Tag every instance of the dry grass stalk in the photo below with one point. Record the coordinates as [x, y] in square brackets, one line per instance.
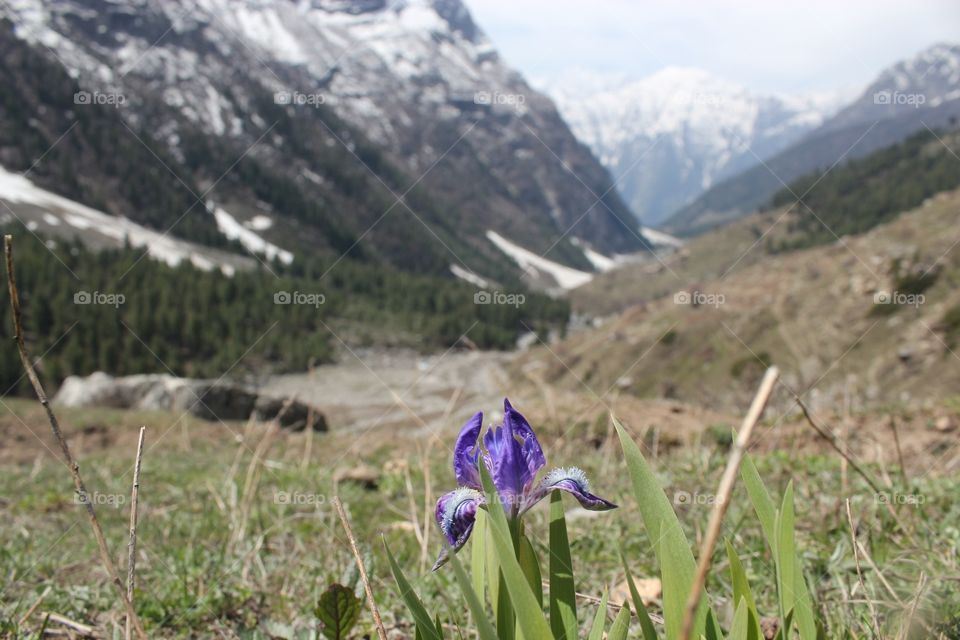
[132, 542]
[363, 571]
[81, 488]
[724, 491]
[863, 587]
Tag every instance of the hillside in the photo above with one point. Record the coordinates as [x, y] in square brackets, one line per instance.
[875, 312]
[390, 131]
[914, 95]
[866, 192]
[112, 311]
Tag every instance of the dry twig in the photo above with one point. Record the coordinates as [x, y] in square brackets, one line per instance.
[132, 542]
[363, 571]
[81, 488]
[724, 491]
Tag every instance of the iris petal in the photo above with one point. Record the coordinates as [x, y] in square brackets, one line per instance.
[573, 481]
[466, 453]
[531, 452]
[456, 514]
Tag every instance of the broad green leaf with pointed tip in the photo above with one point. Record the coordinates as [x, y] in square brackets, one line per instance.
[741, 589]
[485, 628]
[599, 620]
[669, 542]
[531, 568]
[478, 554]
[533, 623]
[620, 624]
[740, 629]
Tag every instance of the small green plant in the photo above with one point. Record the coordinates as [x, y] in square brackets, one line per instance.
[337, 610]
[506, 572]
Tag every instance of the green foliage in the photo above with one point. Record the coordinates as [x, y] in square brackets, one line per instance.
[205, 324]
[677, 564]
[338, 611]
[868, 191]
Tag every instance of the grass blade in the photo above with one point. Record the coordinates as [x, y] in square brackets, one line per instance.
[563, 595]
[424, 622]
[646, 624]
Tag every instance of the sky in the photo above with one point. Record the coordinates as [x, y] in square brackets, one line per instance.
[769, 46]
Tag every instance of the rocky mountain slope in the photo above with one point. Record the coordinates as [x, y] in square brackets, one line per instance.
[387, 130]
[915, 94]
[668, 137]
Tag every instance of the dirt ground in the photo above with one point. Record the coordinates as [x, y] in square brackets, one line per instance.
[403, 400]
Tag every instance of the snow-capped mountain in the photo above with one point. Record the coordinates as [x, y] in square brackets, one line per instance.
[920, 92]
[668, 137]
[926, 81]
[391, 126]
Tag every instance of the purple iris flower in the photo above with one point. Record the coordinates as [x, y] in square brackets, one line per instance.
[513, 457]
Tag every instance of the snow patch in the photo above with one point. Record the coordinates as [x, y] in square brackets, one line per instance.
[566, 277]
[467, 276]
[599, 261]
[17, 189]
[233, 230]
[660, 238]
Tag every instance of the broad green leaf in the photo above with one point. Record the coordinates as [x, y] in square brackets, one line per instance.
[337, 610]
[762, 503]
[620, 624]
[485, 628]
[531, 568]
[646, 625]
[766, 511]
[600, 620]
[533, 623]
[741, 588]
[669, 542]
[425, 625]
[740, 629]
[478, 554]
[713, 630]
[786, 554]
[563, 595]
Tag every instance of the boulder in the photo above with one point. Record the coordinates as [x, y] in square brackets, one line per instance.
[205, 399]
